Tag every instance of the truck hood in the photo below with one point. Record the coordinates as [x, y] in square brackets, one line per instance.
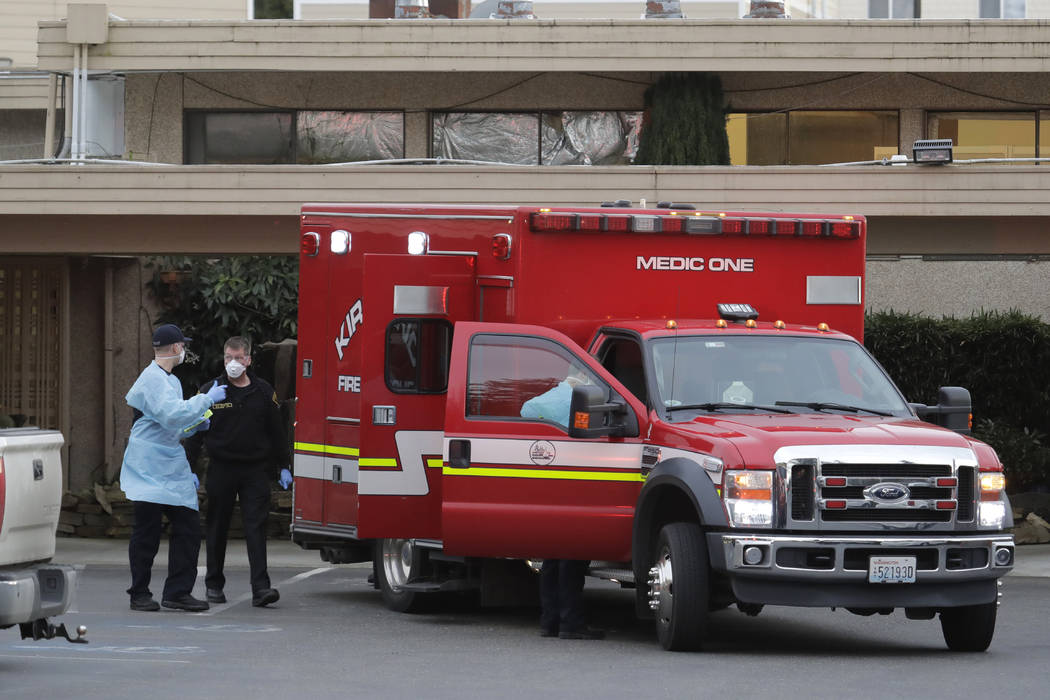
[757, 437]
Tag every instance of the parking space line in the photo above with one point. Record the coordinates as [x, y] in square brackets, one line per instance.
[219, 607]
[137, 659]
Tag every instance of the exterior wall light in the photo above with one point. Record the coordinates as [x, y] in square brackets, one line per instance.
[936, 151]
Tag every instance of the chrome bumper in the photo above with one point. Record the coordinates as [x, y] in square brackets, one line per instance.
[35, 592]
[844, 559]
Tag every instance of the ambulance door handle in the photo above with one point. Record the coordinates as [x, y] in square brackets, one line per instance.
[459, 454]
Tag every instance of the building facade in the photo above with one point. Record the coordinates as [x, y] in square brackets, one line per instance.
[227, 127]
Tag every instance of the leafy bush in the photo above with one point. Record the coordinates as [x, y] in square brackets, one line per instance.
[213, 299]
[1002, 358]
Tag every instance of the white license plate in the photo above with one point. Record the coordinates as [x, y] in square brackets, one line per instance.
[891, 570]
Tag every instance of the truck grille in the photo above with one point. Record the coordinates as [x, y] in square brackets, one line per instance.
[898, 492]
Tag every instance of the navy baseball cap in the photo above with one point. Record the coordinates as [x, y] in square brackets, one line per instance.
[168, 334]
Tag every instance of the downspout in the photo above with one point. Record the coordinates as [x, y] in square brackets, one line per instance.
[49, 122]
[74, 144]
[107, 375]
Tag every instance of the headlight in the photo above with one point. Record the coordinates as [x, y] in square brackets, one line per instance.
[992, 514]
[749, 498]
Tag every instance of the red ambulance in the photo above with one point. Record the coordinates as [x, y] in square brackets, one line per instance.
[678, 396]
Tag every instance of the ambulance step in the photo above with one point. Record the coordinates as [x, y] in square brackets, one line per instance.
[458, 584]
[621, 576]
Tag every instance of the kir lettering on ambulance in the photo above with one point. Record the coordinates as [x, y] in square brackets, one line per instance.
[662, 262]
[349, 326]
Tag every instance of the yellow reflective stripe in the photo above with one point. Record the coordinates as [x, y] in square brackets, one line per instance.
[544, 474]
[376, 462]
[435, 463]
[326, 449]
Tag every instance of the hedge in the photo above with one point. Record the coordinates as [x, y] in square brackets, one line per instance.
[1002, 358]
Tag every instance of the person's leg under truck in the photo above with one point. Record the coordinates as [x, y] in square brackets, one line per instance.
[571, 574]
[254, 494]
[142, 546]
[184, 546]
[549, 607]
[221, 485]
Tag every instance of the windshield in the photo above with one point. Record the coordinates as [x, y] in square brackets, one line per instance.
[775, 373]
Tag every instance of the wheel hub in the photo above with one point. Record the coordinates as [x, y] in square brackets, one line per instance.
[661, 585]
[397, 562]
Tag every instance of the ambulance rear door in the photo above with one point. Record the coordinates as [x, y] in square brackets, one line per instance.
[413, 303]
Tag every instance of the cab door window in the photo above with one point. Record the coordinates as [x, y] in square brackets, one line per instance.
[523, 378]
[623, 358]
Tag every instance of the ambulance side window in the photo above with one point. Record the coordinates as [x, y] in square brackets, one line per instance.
[418, 351]
[514, 377]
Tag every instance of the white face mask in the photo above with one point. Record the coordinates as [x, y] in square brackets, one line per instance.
[182, 356]
[234, 369]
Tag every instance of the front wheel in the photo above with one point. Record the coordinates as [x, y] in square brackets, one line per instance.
[678, 587]
[969, 628]
[396, 562]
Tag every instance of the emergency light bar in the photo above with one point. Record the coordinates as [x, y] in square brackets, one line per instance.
[693, 224]
[737, 312]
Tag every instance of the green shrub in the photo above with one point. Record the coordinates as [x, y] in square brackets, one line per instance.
[1003, 359]
[684, 122]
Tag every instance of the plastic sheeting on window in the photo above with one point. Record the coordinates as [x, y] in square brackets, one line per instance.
[497, 137]
[550, 138]
[590, 138]
[342, 137]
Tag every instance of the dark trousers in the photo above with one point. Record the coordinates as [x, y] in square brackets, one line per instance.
[184, 544]
[561, 594]
[225, 484]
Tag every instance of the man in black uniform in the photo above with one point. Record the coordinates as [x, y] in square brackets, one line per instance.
[246, 444]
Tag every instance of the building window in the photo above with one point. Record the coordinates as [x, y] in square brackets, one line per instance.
[537, 138]
[811, 138]
[1004, 9]
[991, 134]
[894, 9]
[300, 136]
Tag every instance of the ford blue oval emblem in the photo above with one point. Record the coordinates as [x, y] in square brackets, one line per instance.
[887, 493]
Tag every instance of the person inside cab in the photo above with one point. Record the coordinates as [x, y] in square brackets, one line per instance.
[553, 405]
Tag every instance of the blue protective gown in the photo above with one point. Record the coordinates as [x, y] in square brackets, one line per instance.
[155, 467]
[550, 405]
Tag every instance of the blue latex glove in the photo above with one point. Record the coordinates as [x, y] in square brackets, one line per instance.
[285, 479]
[196, 482]
[217, 392]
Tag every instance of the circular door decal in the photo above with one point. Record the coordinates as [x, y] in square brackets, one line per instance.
[542, 452]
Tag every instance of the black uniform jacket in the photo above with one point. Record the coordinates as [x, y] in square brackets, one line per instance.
[246, 427]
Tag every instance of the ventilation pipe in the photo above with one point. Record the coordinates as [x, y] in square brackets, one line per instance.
[513, 9]
[411, 9]
[663, 9]
[767, 9]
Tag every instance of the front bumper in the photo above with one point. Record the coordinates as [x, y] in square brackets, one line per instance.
[833, 571]
[35, 593]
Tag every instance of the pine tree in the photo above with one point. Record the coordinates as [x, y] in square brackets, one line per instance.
[684, 122]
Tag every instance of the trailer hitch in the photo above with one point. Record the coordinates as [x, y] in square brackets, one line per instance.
[42, 629]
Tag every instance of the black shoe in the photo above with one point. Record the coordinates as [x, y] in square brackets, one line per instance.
[264, 597]
[215, 595]
[548, 631]
[582, 633]
[186, 602]
[145, 604]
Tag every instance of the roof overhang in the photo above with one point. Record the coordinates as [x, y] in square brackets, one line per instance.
[561, 45]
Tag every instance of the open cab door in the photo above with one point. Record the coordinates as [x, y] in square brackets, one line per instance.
[412, 303]
[543, 448]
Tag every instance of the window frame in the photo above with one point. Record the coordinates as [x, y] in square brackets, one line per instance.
[294, 112]
[787, 126]
[1035, 112]
[1001, 11]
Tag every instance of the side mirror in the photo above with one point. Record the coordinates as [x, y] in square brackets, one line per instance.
[590, 416]
[953, 411]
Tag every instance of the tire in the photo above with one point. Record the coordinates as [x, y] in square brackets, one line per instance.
[678, 587]
[396, 562]
[969, 628]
